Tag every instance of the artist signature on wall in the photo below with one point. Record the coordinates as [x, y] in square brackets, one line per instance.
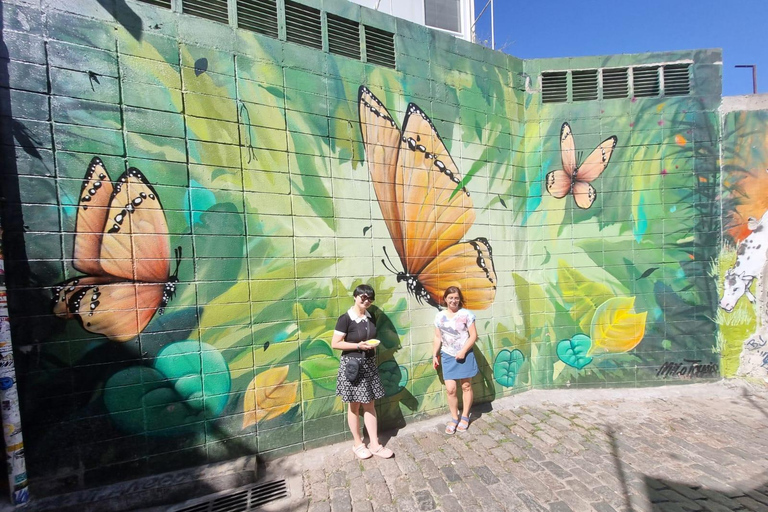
[689, 368]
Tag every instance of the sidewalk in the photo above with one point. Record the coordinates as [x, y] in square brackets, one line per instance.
[674, 448]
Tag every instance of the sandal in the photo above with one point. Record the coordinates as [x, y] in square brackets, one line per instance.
[362, 452]
[450, 427]
[463, 424]
[383, 452]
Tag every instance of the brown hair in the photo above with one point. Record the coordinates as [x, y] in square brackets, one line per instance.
[454, 289]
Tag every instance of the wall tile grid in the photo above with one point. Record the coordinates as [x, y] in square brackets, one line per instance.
[253, 148]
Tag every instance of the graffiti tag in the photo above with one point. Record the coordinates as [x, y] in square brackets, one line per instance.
[689, 368]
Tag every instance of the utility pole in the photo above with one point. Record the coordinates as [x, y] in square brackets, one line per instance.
[493, 32]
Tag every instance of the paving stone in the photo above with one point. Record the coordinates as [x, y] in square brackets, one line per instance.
[362, 506]
[752, 504]
[486, 475]
[450, 474]
[559, 506]
[531, 503]
[450, 504]
[602, 506]
[424, 500]
[319, 506]
[340, 500]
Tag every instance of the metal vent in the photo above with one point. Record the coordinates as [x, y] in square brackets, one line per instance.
[258, 16]
[303, 25]
[584, 85]
[554, 87]
[215, 10]
[615, 83]
[343, 36]
[646, 82]
[677, 80]
[158, 3]
[380, 47]
[242, 499]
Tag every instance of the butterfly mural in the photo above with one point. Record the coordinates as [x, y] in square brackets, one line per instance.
[577, 178]
[122, 245]
[425, 208]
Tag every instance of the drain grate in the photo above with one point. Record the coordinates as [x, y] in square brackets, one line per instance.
[242, 499]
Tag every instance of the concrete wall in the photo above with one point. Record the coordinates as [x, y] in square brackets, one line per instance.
[259, 216]
[742, 314]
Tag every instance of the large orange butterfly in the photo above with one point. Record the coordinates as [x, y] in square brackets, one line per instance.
[417, 185]
[122, 244]
[574, 177]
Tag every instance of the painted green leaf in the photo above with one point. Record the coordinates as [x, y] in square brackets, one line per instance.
[585, 296]
[129, 391]
[535, 306]
[393, 377]
[507, 365]
[573, 352]
[319, 368]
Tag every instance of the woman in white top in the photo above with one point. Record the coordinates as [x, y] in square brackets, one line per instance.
[455, 335]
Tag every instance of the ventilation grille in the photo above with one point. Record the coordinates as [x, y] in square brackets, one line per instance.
[258, 16]
[554, 87]
[584, 84]
[677, 80]
[343, 37]
[159, 3]
[243, 499]
[303, 25]
[380, 47]
[645, 82]
[215, 10]
[615, 83]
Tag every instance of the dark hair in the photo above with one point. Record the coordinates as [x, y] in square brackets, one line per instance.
[453, 289]
[364, 289]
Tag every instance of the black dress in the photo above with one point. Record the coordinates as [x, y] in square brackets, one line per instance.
[368, 385]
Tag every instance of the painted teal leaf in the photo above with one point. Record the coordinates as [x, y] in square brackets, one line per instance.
[573, 352]
[507, 365]
[393, 377]
[184, 362]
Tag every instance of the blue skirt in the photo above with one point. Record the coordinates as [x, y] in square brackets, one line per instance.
[455, 370]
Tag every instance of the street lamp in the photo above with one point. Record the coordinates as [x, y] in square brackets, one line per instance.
[754, 75]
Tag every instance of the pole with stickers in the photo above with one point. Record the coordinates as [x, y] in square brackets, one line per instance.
[9, 403]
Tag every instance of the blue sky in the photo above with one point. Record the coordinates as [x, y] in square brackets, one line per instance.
[559, 28]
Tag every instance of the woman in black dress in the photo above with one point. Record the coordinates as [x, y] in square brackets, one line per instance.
[353, 331]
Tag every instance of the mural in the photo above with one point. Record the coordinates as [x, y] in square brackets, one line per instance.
[742, 262]
[202, 323]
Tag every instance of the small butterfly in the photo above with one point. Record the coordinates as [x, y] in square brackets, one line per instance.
[122, 245]
[574, 177]
[415, 181]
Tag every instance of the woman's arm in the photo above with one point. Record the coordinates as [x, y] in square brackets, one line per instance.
[338, 343]
[472, 330]
[436, 343]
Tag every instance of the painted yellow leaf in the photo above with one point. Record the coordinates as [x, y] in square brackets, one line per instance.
[585, 296]
[616, 327]
[268, 396]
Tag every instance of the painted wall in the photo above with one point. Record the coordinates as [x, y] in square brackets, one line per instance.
[189, 207]
[742, 315]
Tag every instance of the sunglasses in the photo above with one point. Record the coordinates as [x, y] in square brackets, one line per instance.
[365, 298]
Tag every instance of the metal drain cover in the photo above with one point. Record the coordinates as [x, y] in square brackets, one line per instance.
[242, 499]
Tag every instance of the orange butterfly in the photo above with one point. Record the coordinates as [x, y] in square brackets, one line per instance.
[121, 242]
[416, 181]
[575, 177]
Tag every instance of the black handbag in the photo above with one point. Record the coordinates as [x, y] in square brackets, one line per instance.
[354, 366]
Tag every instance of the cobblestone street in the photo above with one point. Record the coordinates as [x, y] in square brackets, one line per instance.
[676, 448]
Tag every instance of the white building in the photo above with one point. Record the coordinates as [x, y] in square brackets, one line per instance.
[454, 16]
